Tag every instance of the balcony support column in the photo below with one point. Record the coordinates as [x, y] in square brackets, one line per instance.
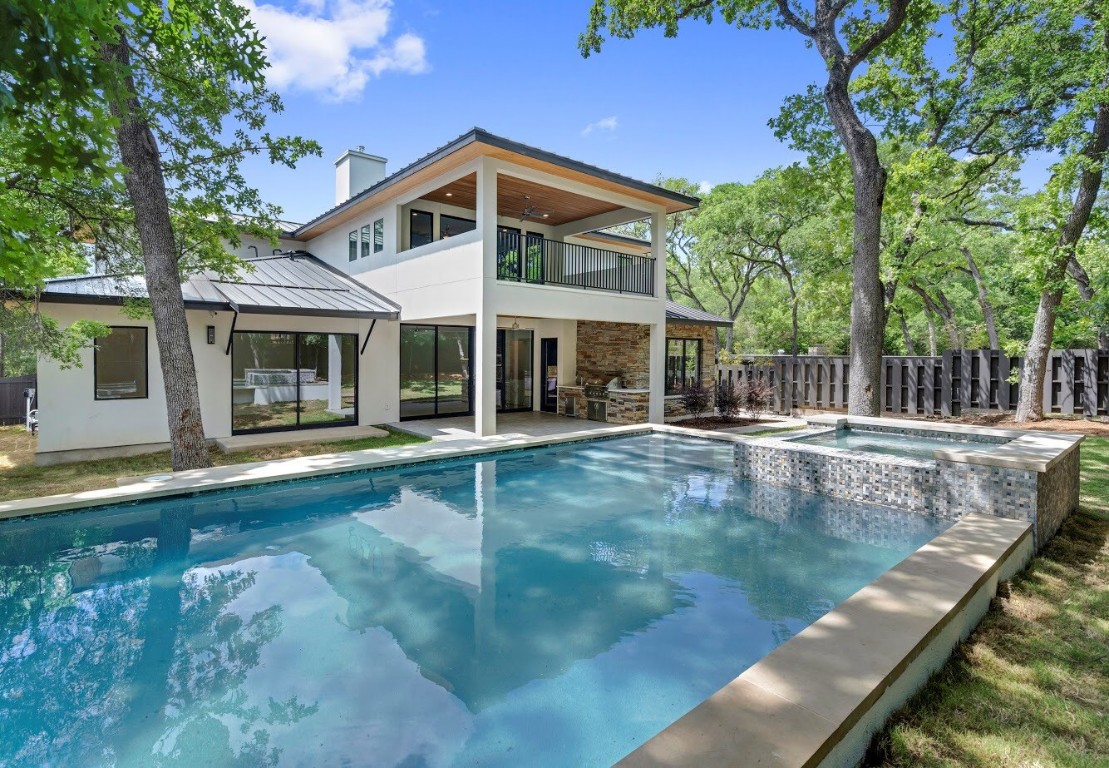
[485, 330]
[656, 402]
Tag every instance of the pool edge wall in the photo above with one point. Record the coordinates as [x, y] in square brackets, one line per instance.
[819, 698]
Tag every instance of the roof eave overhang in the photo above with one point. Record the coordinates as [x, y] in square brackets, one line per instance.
[118, 301]
[349, 314]
[674, 202]
[721, 323]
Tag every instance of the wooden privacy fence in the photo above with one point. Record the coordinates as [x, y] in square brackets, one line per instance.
[1077, 381]
[13, 409]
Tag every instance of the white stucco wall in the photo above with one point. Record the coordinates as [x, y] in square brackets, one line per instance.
[71, 418]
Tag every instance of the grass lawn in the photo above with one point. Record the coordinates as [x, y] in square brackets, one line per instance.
[20, 478]
[1031, 685]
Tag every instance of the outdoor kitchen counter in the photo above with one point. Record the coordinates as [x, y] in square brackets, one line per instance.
[616, 391]
[623, 406]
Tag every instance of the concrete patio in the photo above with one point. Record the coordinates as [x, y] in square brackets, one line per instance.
[529, 424]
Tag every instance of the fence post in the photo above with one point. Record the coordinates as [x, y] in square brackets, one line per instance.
[1066, 382]
[1089, 383]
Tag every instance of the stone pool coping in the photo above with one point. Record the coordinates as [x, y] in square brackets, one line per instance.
[261, 472]
[1031, 450]
[818, 698]
[279, 470]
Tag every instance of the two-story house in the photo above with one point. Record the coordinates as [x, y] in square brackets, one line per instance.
[477, 280]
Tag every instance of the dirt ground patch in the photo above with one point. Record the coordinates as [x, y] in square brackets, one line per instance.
[1004, 420]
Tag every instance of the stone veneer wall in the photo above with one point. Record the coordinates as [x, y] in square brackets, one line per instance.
[1057, 495]
[607, 350]
[945, 489]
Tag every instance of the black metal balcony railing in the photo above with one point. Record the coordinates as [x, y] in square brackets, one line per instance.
[552, 262]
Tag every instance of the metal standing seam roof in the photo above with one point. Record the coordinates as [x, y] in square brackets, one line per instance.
[683, 314]
[289, 283]
[480, 135]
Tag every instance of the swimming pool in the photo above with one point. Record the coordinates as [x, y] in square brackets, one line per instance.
[906, 444]
[553, 606]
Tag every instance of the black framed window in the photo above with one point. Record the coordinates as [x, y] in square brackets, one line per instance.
[379, 235]
[449, 226]
[683, 364]
[421, 229]
[290, 380]
[352, 246]
[119, 363]
[365, 241]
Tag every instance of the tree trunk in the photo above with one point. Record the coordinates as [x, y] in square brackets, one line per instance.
[867, 310]
[729, 339]
[146, 187]
[933, 350]
[1030, 406]
[1086, 291]
[909, 349]
[951, 321]
[983, 298]
[945, 311]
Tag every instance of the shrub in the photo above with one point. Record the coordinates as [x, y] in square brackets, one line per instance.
[729, 399]
[696, 400]
[756, 398]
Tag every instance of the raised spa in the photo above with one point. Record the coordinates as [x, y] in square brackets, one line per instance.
[907, 443]
[553, 606]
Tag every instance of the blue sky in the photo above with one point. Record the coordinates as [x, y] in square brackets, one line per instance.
[404, 77]
[695, 106]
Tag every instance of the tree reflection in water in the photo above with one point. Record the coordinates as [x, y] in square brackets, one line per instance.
[84, 651]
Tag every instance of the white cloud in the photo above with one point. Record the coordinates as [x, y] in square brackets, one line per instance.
[334, 47]
[604, 124]
[705, 187]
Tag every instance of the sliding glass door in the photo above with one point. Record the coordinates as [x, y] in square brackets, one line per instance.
[293, 380]
[436, 371]
[515, 383]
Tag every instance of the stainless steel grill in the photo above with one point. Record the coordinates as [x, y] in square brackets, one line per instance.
[596, 392]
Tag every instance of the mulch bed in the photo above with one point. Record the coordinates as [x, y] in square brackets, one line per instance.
[714, 422]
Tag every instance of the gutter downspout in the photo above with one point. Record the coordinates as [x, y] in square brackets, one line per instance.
[231, 333]
[367, 339]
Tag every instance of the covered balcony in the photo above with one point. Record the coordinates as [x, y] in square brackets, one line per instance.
[534, 259]
[543, 235]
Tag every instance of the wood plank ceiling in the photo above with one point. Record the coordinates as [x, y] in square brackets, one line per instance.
[514, 195]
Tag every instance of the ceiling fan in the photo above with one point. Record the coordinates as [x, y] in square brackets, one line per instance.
[531, 212]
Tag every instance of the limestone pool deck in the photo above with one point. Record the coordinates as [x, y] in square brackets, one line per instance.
[538, 424]
[237, 443]
[815, 700]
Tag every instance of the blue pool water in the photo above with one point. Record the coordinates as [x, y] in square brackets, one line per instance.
[913, 446]
[556, 606]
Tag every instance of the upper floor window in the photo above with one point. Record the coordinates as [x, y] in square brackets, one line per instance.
[119, 364]
[352, 246]
[365, 241]
[683, 364]
[421, 232]
[454, 225]
[379, 235]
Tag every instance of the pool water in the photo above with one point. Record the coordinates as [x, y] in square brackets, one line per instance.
[891, 444]
[554, 606]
